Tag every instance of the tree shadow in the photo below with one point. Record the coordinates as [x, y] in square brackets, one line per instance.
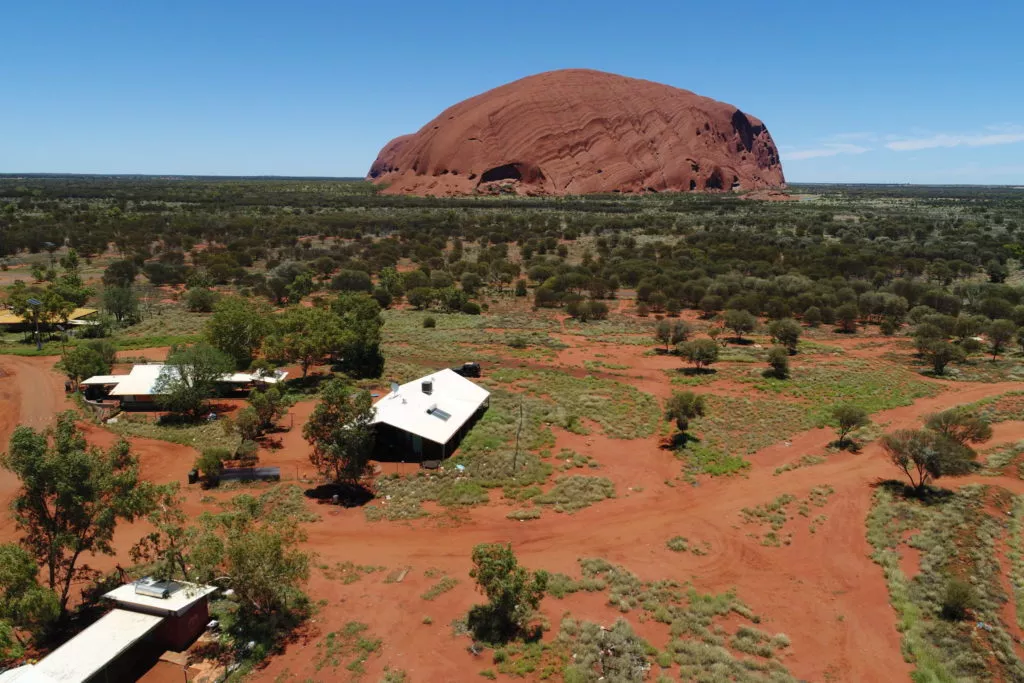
[848, 445]
[697, 372]
[678, 441]
[348, 495]
[741, 341]
[928, 495]
[308, 384]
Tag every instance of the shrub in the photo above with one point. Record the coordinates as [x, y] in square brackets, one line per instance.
[959, 598]
[778, 359]
[200, 300]
[246, 453]
[471, 308]
[211, 463]
[429, 322]
[848, 418]
[677, 544]
[700, 352]
[682, 407]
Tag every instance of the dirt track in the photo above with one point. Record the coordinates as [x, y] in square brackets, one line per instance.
[31, 394]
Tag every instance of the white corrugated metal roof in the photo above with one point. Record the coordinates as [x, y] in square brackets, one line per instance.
[186, 595]
[411, 410]
[95, 647]
[141, 381]
[104, 379]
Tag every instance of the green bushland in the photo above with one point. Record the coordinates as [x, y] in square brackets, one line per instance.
[958, 535]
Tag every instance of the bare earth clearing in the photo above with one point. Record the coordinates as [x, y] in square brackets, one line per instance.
[821, 588]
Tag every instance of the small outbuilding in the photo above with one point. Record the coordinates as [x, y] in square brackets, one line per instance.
[427, 418]
[150, 618]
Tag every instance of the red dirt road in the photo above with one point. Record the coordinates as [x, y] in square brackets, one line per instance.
[31, 394]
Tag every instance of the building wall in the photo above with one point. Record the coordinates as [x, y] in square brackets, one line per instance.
[395, 445]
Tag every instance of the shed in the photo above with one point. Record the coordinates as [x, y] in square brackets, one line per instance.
[427, 418]
[150, 617]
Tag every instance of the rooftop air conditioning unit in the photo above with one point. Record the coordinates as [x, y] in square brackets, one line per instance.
[151, 588]
[428, 386]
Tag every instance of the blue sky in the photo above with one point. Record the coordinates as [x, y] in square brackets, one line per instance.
[896, 91]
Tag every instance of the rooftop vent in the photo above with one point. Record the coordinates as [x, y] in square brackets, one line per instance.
[428, 386]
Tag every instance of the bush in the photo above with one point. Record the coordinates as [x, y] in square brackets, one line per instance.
[958, 599]
[778, 359]
[471, 308]
[211, 463]
[246, 453]
[247, 422]
[200, 300]
[429, 322]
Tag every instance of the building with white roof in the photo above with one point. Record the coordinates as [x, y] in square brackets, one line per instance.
[150, 618]
[426, 419]
[139, 387]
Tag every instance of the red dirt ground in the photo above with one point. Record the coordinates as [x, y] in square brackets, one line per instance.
[823, 590]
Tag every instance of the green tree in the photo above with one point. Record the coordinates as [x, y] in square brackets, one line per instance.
[846, 316]
[26, 608]
[812, 316]
[248, 424]
[683, 406]
[671, 332]
[700, 352]
[268, 405]
[121, 303]
[848, 417]
[190, 377]
[925, 455]
[961, 425]
[357, 346]
[778, 361]
[200, 299]
[71, 497]
[82, 362]
[1000, 333]
[304, 335]
[785, 332]
[940, 353]
[341, 433]
[211, 463]
[739, 321]
[513, 594]
[238, 327]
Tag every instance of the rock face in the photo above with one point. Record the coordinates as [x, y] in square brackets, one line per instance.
[578, 131]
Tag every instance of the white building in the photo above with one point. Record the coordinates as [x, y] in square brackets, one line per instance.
[427, 418]
[139, 387]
